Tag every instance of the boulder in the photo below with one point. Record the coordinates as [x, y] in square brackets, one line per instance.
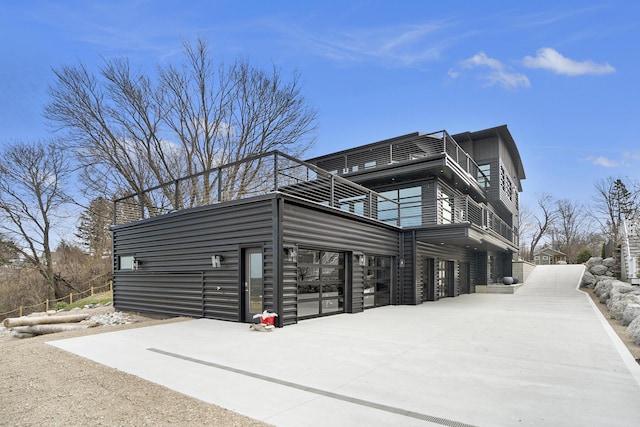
[601, 284]
[609, 262]
[593, 261]
[602, 288]
[611, 287]
[630, 313]
[618, 304]
[634, 330]
[588, 280]
[599, 270]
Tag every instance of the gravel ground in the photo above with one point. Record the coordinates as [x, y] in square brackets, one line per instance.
[43, 385]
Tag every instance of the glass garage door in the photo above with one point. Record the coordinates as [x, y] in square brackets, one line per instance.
[377, 281]
[321, 283]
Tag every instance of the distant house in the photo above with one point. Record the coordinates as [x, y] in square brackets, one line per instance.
[549, 256]
[406, 220]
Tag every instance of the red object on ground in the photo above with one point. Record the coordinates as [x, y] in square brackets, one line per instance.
[267, 320]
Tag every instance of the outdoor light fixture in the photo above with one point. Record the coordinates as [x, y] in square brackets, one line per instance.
[360, 258]
[216, 261]
[290, 253]
[135, 264]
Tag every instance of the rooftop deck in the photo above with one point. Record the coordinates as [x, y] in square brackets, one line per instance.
[268, 173]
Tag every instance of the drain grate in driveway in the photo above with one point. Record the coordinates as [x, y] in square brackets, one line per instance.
[356, 401]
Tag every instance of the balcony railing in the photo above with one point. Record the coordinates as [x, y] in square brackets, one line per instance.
[455, 210]
[425, 146]
[274, 171]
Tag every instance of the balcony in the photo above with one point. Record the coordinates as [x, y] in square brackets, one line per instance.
[464, 210]
[414, 155]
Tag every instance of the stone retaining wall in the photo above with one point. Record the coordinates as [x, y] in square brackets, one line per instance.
[622, 299]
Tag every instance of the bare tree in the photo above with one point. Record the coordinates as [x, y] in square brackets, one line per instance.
[32, 177]
[614, 202]
[525, 230]
[542, 220]
[569, 227]
[132, 131]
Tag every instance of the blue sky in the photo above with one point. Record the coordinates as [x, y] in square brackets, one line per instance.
[563, 75]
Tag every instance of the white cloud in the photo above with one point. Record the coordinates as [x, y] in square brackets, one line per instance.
[497, 73]
[631, 155]
[603, 161]
[551, 59]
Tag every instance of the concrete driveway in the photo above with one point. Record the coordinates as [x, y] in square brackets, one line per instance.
[543, 356]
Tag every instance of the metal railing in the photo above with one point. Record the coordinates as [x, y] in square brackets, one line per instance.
[421, 147]
[259, 175]
[452, 210]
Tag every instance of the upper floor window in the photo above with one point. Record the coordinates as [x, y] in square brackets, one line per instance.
[506, 183]
[410, 209]
[369, 165]
[484, 176]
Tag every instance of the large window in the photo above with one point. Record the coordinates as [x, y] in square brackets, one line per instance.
[445, 278]
[505, 181]
[484, 176]
[377, 281]
[320, 283]
[445, 204]
[410, 200]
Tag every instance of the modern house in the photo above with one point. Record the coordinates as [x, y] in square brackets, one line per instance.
[548, 256]
[401, 221]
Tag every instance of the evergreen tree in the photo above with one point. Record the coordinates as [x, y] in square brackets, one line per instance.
[94, 227]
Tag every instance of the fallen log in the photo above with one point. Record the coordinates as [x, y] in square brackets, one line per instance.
[12, 322]
[52, 328]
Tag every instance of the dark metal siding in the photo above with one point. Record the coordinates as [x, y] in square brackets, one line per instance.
[318, 228]
[184, 242]
[178, 294]
[410, 273]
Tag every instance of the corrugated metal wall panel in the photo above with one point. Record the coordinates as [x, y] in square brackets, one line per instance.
[316, 228]
[409, 274]
[185, 241]
[177, 294]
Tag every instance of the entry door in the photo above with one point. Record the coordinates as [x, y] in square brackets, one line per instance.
[465, 285]
[253, 282]
[428, 279]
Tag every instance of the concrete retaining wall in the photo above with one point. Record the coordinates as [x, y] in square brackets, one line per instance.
[522, 269]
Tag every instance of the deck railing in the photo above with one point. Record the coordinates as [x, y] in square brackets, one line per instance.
[453, 210]
[259, 175]
[425, 146]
